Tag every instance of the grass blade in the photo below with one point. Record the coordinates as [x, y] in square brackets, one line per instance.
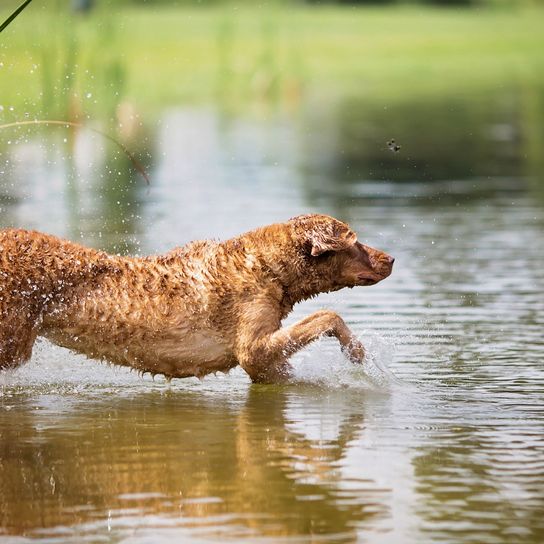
[14, 14]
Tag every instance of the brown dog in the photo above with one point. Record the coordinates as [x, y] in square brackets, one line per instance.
[201, 308]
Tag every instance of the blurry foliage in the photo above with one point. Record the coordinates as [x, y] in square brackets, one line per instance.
[81, 65]
[74, 62]
[85, 64]
[330, 2]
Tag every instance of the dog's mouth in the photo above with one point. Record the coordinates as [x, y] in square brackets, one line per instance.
[371, 279]
[362, 281]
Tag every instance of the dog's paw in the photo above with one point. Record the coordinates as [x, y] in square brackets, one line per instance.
[354, 351]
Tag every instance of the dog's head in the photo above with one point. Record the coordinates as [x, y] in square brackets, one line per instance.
[331, 252]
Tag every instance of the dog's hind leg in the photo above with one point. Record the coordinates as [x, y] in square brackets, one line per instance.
[17, 336]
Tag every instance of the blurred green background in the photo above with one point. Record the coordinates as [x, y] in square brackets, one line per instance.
[459, 84]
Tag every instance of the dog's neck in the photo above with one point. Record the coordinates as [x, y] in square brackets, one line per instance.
[287, 265]
[305, 288]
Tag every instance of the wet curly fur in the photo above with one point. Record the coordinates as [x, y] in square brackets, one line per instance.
[201, 308]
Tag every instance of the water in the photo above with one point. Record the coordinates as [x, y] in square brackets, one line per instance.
[439, 439]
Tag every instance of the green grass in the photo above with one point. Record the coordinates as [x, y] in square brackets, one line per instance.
[164, 55]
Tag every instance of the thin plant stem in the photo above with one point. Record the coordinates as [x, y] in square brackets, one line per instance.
[14, 14]
[135, 162]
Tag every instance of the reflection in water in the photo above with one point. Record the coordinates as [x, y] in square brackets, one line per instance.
[105, 197]
[460, 479]
[74, 184]
[448, 137]
[185, 457]
[532, 111]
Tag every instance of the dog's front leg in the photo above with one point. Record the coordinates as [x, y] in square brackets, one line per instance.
[322, 323]
[264, 357]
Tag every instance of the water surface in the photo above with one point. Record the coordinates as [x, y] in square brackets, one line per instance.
[450, 451]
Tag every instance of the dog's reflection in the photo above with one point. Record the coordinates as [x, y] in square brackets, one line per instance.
[270, 462]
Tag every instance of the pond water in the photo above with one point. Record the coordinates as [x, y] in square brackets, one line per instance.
[451, 449]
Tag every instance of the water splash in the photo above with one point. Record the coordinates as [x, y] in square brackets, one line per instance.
[57, 370]
[323, 364]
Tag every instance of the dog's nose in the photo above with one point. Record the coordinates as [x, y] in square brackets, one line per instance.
[391, 259]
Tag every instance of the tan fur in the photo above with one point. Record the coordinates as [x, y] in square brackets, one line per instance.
[204, 307]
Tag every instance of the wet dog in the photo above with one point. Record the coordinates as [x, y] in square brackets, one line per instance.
[201, 308]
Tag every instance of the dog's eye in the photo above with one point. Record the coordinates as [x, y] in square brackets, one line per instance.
[324, 256]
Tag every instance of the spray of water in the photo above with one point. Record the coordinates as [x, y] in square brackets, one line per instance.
[323, 364]
[320, 364]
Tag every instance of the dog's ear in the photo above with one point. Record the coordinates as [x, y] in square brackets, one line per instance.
[323, 233]
[335, 238]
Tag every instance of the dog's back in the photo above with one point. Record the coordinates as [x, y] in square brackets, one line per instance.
[37, 262]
